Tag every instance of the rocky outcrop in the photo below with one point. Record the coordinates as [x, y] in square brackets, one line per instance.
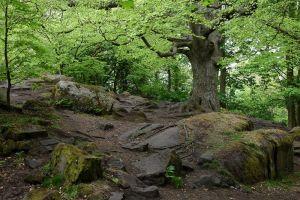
[75, 165]
[224, 145]
[259, 155]
[85, 98]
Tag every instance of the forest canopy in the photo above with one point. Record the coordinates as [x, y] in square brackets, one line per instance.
[240, 55]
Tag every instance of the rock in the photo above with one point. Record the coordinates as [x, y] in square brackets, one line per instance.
[213, 180]
[85, 98]
[153, 168]
[36, 106]
[205, 158]
[115, 163]
[105, 126]
[98, 190]
[168, 138]
[49, 142]
[54, 79]
[188, 165]
[116, 196]
[123, 179]
[9, 146]
[35, 177]
[25, 132]
[33, 163]
[85, 190]
[134, 146]
[259, 155]
[74, 164]
[147, 192]
[150, 137]
[43, 194]
[134, 187]
[130, 134]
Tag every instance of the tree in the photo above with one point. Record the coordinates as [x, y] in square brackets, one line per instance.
[18, 19]
[269, 47]
[200, 43]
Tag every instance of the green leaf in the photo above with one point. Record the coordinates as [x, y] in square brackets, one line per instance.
[127, 4]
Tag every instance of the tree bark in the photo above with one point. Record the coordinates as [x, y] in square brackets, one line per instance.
[204, 55]
[8, 77]
[290, 101]
[298, 101]
[223, 77]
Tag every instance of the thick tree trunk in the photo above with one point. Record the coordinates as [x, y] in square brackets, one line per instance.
[223, 77]
[204, 55]
[6, 29]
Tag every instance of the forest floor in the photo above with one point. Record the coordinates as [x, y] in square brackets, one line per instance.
[13, 169]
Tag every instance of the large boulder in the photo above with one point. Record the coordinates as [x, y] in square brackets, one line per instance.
[85, 98]
[258, 155]
[224, 143]
[74, 164]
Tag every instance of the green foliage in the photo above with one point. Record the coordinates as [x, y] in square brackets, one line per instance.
[55, 181]
[70, 192]
[171, 175]
[64, 102]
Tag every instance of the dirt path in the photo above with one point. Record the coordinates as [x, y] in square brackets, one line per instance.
[106, 132]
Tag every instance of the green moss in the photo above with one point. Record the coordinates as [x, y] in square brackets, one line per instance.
[8, 147]
[70, 193]
[43, 194]
[55, 181]
[85, 190]
[76, 165]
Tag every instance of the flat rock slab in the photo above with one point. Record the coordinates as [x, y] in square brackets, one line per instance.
[168, 138]
[49, 142]
[152, 168]
[142, 130]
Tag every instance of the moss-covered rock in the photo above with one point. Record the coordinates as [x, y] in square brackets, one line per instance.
[96, 190]
[8, 147]
[74, 164]
[248, 156]
[85, 98]
[43, 194]
[23, 132]
[213, 129]
[259, 155]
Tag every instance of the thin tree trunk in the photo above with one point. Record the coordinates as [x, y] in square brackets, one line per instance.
[290, 101]
[8, 77]
[169, 79]
[298, 102]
